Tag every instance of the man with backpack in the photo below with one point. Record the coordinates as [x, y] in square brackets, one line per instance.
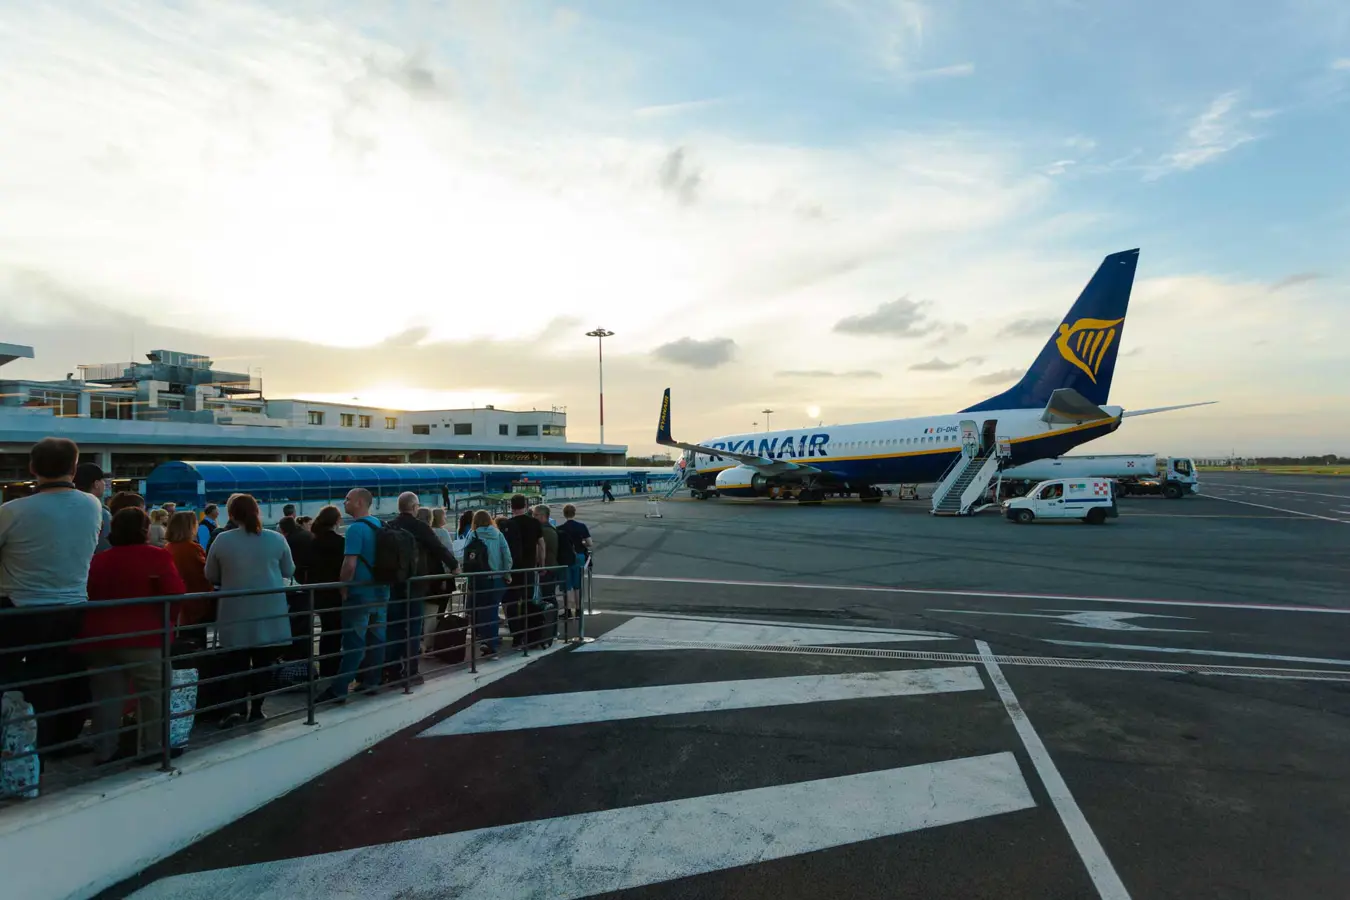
[526, 539]
[431, 557]
[371, 562]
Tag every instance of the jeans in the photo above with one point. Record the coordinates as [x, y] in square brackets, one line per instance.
[486, 598]
[361, 615]
[253, 674]
[405, 630]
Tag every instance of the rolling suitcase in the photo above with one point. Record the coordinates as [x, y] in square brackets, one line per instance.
[541, 622]
[447, 642]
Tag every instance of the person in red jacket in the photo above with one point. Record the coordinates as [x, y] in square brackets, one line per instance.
[134, 633]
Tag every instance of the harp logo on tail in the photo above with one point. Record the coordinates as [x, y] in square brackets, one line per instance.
[1085, 342]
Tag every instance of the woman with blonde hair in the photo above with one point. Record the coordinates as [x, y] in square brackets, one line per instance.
[190, 560]
[159, 522]
[492, 560]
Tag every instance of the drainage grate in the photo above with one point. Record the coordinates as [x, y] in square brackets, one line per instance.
[1053, 662]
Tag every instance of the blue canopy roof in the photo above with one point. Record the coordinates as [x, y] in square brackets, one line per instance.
[189, 482]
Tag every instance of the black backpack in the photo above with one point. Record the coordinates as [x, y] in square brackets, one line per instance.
[567, 551]
[475, 557]
[395, 554]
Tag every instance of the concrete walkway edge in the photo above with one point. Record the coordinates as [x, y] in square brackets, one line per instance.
[83, 840]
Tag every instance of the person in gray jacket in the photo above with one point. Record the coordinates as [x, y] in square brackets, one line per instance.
[253, 629]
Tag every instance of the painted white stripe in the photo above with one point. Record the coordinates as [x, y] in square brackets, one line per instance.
[1296, 512]
[550, 710]
[594, 853]
[1103, 874]
[1230, 653]
[998, 595]
[779, 623]
[1252, 487]
[633, 634]
[1345, 512]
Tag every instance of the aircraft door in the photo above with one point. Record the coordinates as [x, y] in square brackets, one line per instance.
[988, 436]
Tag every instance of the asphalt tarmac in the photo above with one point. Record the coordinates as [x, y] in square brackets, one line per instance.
[865, 701]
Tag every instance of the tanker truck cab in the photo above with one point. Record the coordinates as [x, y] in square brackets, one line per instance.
[1092, 500]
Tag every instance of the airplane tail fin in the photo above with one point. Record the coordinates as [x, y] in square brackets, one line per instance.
[663, 424]
[1081, 354]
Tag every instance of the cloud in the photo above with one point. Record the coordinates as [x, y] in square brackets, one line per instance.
[1002, 376]
[678, 177]
[1028, 328]
[896, 318]
[935, 365]
[959, 70]
[947, 333]
[1213, 133]
[825, 373]
[1296, 278]
[1341, 65]
[669, 110]
[890, 31]
[697, 354]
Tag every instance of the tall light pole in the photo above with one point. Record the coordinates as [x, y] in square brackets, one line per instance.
[767, 413]
[600, 334]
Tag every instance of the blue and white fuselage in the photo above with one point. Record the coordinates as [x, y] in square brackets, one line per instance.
[1058, 404]
[897, 451]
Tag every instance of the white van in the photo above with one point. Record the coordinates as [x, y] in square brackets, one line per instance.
[1089, 499]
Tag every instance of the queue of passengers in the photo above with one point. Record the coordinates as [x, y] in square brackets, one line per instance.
[62, 551]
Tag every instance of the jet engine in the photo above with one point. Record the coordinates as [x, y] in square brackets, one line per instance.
[741, 481]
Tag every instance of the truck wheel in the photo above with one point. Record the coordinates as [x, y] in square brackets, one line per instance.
[1172, 491]
[1095, 516]
[1024, 517]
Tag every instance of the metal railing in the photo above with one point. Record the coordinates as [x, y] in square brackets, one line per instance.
[202, 673]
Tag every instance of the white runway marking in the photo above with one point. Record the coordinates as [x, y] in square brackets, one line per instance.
[1231, 653]
[996, 595]
[550, 710]
[1101, 620]
[1103, 874]
[594, 853]
[1267, 490]
[1278, 509]
[630, 635]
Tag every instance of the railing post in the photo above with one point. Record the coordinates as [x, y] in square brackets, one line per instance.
[166, 687]
[590, 591]
[407, 636]
[471, 615]
[312, 674]
[523, 610]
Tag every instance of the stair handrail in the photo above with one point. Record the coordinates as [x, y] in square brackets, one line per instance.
[943, 487]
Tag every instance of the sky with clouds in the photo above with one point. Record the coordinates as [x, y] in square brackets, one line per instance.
[876, 208]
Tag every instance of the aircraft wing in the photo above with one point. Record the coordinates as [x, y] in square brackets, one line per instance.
[1068, 407]
[1158, 409]
[759, 463]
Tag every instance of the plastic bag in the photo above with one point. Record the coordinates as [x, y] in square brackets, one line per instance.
[182, 699]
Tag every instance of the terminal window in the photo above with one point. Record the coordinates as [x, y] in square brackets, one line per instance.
[555, 430]
[421, 429]
[527, 431]
[365, 421]
[316, 417]
[348, 420]
[60, 402]
[390, 422]
[463, 428]
[504, 429]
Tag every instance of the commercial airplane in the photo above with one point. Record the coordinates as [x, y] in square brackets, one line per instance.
[1058, 404]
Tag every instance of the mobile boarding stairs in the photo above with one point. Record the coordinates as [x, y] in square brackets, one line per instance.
[963, 489]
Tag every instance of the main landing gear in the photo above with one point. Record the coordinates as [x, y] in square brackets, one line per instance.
[812, 495]
[869, 494]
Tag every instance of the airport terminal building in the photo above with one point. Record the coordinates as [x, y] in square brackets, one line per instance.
[132, 416]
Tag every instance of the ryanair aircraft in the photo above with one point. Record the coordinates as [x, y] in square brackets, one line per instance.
[1058, 404]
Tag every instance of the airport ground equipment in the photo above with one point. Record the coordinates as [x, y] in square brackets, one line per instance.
[1134, 473]
[1092, 500]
